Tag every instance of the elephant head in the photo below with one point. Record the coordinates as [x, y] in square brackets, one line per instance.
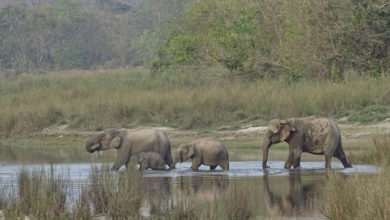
[105, 140]
[184, 152]
[278, 131]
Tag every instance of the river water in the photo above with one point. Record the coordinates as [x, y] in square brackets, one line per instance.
[282, 192]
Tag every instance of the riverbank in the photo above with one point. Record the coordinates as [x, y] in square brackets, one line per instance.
[95, 100]
[63, 144]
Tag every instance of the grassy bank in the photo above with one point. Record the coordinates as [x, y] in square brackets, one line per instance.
[127, 98]
[362, 197]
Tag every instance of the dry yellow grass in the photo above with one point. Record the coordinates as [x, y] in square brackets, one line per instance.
[127, 98]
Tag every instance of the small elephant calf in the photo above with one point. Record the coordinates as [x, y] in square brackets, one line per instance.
[208, 152]
[151, 160]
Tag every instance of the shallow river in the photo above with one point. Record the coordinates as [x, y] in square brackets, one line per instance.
[280, 192]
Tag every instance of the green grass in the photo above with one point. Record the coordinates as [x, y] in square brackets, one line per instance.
[128, 98]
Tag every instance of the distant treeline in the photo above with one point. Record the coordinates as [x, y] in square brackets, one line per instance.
[71, 34]
[294, 39]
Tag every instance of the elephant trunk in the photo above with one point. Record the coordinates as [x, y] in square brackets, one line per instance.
[91, 141]
[88, 147]
[266, 145]
[176, 158]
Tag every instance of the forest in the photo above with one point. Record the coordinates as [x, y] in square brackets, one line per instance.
[293, 40]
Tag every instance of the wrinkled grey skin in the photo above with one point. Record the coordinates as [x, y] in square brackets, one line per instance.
[208, 152]
[151, 160]
[313, 135]
[130, 142]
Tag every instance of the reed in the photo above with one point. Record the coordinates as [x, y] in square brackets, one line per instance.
[358, 197]
[129, 98]
[362, 196]
[39, 195]
[116, 195]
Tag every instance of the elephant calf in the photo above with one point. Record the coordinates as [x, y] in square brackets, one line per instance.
[205, 151]
[313, 135]
[151, 160]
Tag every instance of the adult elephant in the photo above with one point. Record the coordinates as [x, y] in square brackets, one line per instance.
[130, 142]
[208, 152]
[313, 135]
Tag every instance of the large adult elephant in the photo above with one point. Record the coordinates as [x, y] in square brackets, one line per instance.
[313, 135]
[130, 142]
[208, 152]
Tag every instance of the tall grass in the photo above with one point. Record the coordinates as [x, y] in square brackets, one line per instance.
[40, 195]
[116, 196]
[362, 197]
[358, 197]
[379, 153]
[85, 100]
[119, 197]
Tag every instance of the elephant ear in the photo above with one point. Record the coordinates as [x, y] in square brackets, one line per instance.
[191, 150]
[116, 141]
[286, 130]
[274, 126]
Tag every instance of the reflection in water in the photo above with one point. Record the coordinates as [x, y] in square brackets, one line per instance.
[203, 187]
[158, 191]
[161, 193]
[290, 193]
[301, 201]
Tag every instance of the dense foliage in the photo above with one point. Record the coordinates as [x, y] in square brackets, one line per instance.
[324, 39]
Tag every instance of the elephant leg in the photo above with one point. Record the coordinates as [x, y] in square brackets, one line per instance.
[122, 158]
[224, 165]
[213, 167]
[297, 157]
[330, 148]
[144, 165]
[195, 164]
[328, 161]
[290, 158]
[297, 163]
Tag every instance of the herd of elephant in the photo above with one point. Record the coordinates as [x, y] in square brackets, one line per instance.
[152, 147]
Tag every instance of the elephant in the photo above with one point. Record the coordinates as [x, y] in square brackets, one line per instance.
[130, 142]
[302, 200]
[310, 134]
[208, 152]
[151, 160]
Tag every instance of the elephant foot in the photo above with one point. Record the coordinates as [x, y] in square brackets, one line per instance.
[287, 166]
[194, 169]
[297, 167]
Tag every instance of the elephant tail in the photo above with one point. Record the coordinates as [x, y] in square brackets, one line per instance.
[168, 157]
[339, 153]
